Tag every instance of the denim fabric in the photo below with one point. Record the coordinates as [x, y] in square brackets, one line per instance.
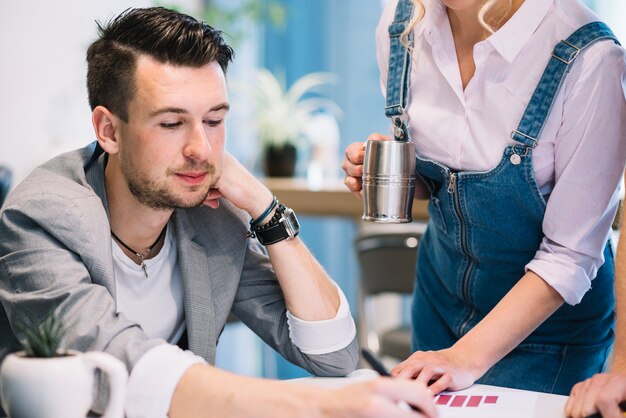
[399, 60]
[563, 56]
[484, 228]
[399, 70]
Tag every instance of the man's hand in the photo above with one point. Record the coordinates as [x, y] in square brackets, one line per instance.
[212, 200]
[205, 391]
[383, 397]
[600, 394]
[240, 187]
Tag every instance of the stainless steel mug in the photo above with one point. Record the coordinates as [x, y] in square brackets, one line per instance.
[388, 181]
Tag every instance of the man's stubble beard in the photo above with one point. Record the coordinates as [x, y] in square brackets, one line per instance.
[158, 196]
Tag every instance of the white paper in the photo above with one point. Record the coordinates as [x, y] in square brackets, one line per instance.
[486, 402]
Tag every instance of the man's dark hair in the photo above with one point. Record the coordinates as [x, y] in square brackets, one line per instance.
[165, 35]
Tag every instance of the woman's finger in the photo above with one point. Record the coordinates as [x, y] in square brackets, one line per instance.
[355, 153]
[429, 373]
[441, 384]
[352, 170]
[353, 184]
[378, 137]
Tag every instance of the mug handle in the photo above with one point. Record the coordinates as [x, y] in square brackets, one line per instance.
[117, 375]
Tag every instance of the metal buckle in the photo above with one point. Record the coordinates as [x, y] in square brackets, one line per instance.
[573, 56]
[525, 136]
[398, 132]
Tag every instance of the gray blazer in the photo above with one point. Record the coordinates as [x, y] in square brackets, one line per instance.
[55, 250]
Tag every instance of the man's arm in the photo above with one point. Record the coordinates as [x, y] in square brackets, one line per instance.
[309, 293]
[272, 288]
[205, 391]
[55, 255]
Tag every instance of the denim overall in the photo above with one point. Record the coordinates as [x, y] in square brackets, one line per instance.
[485, 227]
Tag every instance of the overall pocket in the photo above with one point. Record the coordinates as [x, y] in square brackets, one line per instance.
[436, 214]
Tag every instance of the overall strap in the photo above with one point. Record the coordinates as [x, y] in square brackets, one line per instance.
[399, 69]
[563, 56]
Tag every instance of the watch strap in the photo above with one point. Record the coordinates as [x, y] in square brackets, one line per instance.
[276, 229]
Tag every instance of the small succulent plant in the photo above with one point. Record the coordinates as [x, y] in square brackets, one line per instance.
[44, 340]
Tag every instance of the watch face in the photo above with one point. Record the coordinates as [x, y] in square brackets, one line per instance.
[292, 226]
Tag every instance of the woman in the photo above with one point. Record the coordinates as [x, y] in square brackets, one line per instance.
[521, 151]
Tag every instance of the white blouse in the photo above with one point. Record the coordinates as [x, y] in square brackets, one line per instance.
[581, 154]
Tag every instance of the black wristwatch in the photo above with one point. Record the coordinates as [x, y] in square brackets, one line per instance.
[283, 225]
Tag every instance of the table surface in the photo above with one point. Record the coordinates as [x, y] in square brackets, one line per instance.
[547, 406]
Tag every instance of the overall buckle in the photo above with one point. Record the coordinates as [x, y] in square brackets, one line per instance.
[572, 57]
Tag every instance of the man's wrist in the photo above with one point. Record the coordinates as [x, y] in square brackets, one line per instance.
[258, 207]
[282, 225]
[268, 213]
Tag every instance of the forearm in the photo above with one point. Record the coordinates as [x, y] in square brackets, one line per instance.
[309, 293]
[526, 306]
[205, 391]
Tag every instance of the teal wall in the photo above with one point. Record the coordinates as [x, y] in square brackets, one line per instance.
[319, 35]
[335, 36]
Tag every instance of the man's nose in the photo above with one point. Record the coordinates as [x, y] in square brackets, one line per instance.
[198, 146]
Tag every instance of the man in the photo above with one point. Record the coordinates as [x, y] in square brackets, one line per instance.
[142, 241]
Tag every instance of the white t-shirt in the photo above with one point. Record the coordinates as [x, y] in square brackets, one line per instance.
[155, 302]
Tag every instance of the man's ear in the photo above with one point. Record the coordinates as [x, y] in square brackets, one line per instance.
[106, 126]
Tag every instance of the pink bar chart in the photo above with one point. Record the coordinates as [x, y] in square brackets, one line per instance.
[486, 402]
[465, 401]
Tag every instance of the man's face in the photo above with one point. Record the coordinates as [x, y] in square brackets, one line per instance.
[171, 149]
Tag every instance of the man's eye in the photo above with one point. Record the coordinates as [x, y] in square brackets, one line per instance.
[215, 122]
[170, 125]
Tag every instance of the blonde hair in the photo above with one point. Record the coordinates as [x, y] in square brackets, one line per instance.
[490, 23]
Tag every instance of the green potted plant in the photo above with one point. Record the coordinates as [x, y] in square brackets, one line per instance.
[45, 380]
[44, 340]
[283, 116]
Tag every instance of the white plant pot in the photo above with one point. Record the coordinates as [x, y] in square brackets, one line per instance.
[59, 387]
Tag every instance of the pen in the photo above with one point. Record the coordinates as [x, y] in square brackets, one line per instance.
[381, 370]
[622, 406]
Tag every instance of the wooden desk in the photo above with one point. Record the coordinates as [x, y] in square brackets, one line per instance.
[331, 198]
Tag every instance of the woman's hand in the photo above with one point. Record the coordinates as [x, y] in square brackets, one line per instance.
[602, 393]
[352, 164]
[439, 370]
